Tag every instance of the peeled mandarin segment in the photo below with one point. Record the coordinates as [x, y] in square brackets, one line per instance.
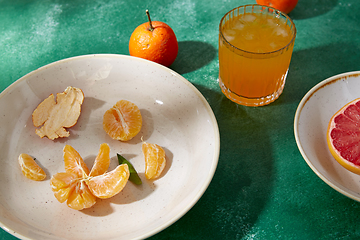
[155, 160]
[111, 183]
[30, 168]
[62, 184]
[123, 121]
[102, 161]
[81, 197]
[74, 163]
[343, 136]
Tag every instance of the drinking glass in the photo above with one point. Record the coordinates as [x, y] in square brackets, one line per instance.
[255, 47]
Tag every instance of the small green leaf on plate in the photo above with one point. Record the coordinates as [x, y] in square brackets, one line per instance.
[134, 177]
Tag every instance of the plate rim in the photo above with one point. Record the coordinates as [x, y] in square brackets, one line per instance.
[299, 109]
[206, 104]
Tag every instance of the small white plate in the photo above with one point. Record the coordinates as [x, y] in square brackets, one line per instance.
[310, 126]
[175, 116]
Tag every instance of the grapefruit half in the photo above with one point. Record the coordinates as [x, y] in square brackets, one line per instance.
[343, 136]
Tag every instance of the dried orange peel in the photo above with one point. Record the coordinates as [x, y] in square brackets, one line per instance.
[55, 116]
[80, 187]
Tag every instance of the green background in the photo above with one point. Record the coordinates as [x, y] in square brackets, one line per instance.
[262, 188]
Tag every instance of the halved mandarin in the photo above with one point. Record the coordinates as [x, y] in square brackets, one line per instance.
[155, 160]
[110, 183]
[30, 168]
[123, 121]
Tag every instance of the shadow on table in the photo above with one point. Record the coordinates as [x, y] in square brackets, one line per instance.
[243, 180]
[310, 8]
[311, 66]
[192, 56]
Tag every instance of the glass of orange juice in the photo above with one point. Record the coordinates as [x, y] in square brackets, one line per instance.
[255, 47]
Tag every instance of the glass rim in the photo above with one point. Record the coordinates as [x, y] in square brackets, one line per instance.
[278, 12]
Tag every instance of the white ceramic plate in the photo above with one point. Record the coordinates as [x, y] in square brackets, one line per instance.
[175, 115]
[311, 121]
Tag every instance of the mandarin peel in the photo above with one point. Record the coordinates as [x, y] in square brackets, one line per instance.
[54, 117]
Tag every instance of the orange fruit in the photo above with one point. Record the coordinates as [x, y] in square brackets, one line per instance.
[155, 160]
[343, 136]
[111, 183]
[154, 41]
[123, 121]
[30, 168]
[286, 6]
[79, 187]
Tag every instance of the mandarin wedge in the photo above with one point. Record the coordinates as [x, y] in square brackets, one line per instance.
[74, 163]
[111, 183]
[102, 161]
[30, 168]
[81, 197]
[123, 121]
[68, 187]
[155, 160]
[62, 184]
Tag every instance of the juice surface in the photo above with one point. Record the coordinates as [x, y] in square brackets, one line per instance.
[254, 70]
[258, 33]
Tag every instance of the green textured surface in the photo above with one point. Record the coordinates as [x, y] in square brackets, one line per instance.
[262, 188]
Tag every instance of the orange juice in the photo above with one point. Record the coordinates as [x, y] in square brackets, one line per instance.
[255, 47]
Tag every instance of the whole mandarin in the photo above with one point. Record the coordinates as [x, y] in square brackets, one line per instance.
[286, 6]
[154, 41]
